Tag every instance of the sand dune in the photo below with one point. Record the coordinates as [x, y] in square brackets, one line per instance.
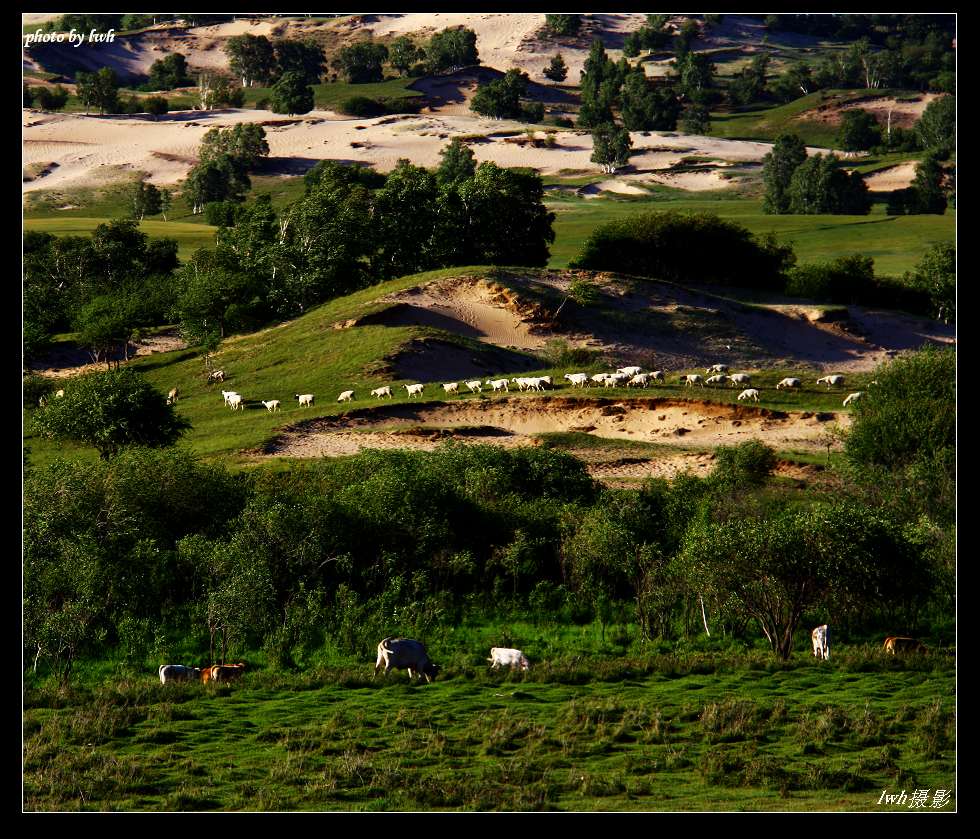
[892, 178]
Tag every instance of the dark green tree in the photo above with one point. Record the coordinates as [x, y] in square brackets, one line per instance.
[611, 147]
[926, 193]
[144, 199]
[563, 24]
[406, 222]
[451, 50]
[859, 130]
[30, 95]
[778, 166]
[220, 178]
[936, 275]
[685, 38]
[111, 410]
[362, 62]
[937, 126]
[168, 73]
[557, 70]
[98, 90]
[820, 186]
[252, 58]
[156, 105]
[292, 95]
[303, 57]
[599, 85]
[404, 54]
[696, 120]
[646, 107]
[51, 98]
[245, 142]
[458, 163]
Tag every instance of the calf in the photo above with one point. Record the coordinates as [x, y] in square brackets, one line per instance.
[227, 672]
[177, 673]
[507, 657]
[900, 644]
[821, 644]
[405, 654]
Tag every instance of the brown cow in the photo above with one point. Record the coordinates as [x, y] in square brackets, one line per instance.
[227, 672]
[900, 644]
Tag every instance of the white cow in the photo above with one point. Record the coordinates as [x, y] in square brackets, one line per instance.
[178, 673]
[405, 654]
[821, 643]
[507, 657]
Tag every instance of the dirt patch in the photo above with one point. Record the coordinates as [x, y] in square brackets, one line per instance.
[892, 178]
[64, 361]
[904, 112]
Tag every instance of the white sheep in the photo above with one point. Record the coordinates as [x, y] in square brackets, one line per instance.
[382, 391]
[59, 394]
[235, 401]
[216, 376]
[172, 396]
[739, 379]
[658, 375]
[616, 379]
[414, 390]
[640, 379]
[546, 380]
[476, 386]
[303, 398]
[346, 396]
[498, 384]
[629, 371]
[521, 383]
[718, 379]
[599, 378]
[789, 383]
[717, 368]
[831, 380]
[452, 387]
[853, 397]
[272, 405]
[692, 379]
[226, 393]
[577, 379]
[750, 393]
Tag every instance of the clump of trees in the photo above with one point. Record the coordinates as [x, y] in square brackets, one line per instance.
[168, 73]
[98, 90]
[225, 156]
[686, 248]
[46, 98]
[501, 99]
[254, 58]
[563, 24]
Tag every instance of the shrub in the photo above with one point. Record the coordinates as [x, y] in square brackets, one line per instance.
[35, 387]
[747, 464]
[221, 213]
[361, 106]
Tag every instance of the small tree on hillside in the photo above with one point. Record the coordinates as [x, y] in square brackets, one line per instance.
[144, 199]
[362, 62]
[696, 120]
[156, 106]
[403, 54]
[99, 90]
[563, 24]
[166, 201]
[611, 147]
[557, 70]
[51, 98]
[458, 163]
[936, 127]
[292, 95]
[110, 410]
[859, 131]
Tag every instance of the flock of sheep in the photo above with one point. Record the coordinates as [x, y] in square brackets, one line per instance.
[624, 376]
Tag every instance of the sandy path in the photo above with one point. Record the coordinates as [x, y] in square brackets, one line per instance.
[515, 420]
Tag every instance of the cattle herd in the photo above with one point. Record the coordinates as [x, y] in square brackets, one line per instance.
[411, 655]
[624, 376]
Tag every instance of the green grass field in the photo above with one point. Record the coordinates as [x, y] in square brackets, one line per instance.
[189, 237]
[618, 726]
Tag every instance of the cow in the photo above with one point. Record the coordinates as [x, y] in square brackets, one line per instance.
[405, 654]
[227, 672]
[900, 644]
[821, 642]
[177, 673]
[507, 657]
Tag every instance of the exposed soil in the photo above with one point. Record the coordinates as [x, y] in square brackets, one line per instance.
[62, 361]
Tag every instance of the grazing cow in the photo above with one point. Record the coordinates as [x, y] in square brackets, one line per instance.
[405, 654]
[227, 672]
[821, 644]
[507, 657]
[900, 644]
[177, 673]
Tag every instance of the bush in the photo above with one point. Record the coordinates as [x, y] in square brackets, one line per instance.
[745, 465]
[221, 213]
[35, 387]
[532, 112]
[850, 280]
[685, 248]
[361, 106]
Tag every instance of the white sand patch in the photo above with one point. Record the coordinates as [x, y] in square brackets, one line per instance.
[892, 178]
[614, 185]
[693, 181]
[244, 26]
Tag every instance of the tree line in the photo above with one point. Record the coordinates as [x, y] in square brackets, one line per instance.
[348, 550]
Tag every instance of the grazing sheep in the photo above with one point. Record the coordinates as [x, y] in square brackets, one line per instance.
[521, 383]
[173, 396]
[599, 378]
[739, 379]
[226, 393]
[750, 393]
[59, 394]
[658, 375]
[272, 405]
[498, 384]
[640, 379]
[235, 401]
[507, 657]
[719, 379]
[414, 390]
[717, 368]
[790, 383]
[537, 383]
[346, 396]
[546, 380]
[577, 379]
[382, 391]
[303, 398]
[615, 379]
[476, 386]
[216, 376]
[452, 387]
[831, 380]
[629, 371]
[853, 397]
[692, 379]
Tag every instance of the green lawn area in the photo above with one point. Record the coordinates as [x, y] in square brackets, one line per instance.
[189, 237]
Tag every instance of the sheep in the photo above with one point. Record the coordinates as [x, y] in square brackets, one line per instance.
[452, 387]
[750, 393]
[641, 379]
[831, 380]
[789, 383]
[629, 371]
[382, 391]
[235, 401]
[538, 382]
[476, 386]
[173, 396]
[216, 376]
[692, 379]
[58, 394]
[414, 390]
[658, 375]
[719, 379]
[577, 379]
[226, 393]
[346, 396]
[498, 384]
[853, 397]
[272, 405]
[546, 380]
[521, 383]
[739, 379]
[599, 378]
[303, 398]
[717, 368]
